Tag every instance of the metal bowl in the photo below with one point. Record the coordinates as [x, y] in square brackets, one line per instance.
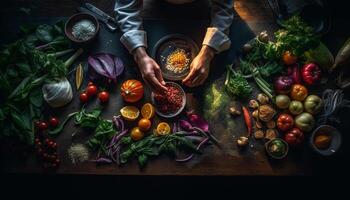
[170, 115]
[76, 18]
[168, 44]
[335, 144]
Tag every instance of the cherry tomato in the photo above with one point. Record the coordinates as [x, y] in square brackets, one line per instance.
[37, 140]
[103, 96]
[289, 58]
[90, 83]
[84, 97]
[43, 126]
[53, 122]
[91, 90]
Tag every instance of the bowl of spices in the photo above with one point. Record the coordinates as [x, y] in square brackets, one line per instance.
[171, 103]
[326, 140]
[174, 54]
[277, 148]
[82, 28]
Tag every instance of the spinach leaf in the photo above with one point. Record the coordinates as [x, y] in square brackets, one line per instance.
[44, 33]
[36, 97]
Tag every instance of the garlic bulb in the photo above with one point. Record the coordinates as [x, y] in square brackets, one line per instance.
[58, 94]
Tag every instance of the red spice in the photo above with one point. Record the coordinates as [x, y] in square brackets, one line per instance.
[171, 101]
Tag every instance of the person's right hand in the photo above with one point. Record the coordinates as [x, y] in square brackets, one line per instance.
[150, 70]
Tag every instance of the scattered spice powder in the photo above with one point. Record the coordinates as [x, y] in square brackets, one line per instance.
[178, 61]
[171, 101]
[78, 153]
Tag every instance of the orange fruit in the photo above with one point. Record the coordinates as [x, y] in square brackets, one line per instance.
[144, 124]
[163, 128]
[136, 134]
[130, 113]
[147, 111]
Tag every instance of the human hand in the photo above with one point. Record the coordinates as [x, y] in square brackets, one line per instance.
[150, 70]
[199, 68]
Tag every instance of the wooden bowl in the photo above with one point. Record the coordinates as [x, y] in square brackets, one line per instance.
[76, 18]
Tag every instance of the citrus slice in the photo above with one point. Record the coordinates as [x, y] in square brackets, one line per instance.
[147, 111]
[163, 128]
[130, 113]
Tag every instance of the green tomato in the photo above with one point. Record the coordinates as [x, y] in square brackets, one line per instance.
[313, 104]
[296, 107]
[282, 101]
[305, 122]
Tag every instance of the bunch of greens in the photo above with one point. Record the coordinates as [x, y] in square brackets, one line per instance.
[154, 145]
[236, 84]
[103, 129]
[295, 36]
[25, 65]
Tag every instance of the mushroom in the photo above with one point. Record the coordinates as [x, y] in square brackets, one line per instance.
[259, 134]
[234, 111]
[253, 104]
[263, 99]
[242, 141]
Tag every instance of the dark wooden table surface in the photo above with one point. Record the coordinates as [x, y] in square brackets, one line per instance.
[226, 160]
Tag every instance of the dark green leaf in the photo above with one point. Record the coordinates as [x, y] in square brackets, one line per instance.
[36, 97]
[142, 159]
[44, 33]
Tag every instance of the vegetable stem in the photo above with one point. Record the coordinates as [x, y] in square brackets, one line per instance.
[71, 60]
[61, 53]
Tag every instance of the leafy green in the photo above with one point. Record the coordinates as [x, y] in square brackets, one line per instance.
[153, 145]
[295, 36]
[24, 68]
[236, 84]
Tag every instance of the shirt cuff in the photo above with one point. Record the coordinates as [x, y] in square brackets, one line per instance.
[133, 39]
[216, 39]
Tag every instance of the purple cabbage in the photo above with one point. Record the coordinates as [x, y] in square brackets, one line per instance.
[106, 66]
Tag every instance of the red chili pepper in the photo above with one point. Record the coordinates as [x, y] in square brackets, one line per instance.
[247, 119]
[311, 73]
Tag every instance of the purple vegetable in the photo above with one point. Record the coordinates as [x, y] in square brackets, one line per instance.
[195, 138]
[191, 156]
[105, 65]
[102, 160]
[283, 84]
[197, 121]
[116, 138]
[185, 125]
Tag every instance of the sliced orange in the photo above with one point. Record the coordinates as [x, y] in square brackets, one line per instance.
[163, 128]
[147, 111]
[130, 113]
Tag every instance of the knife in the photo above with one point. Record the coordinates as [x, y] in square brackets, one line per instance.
[100, 12]
[110, 26]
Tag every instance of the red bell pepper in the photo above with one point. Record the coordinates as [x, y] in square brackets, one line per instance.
[294, 137]
[310, 73]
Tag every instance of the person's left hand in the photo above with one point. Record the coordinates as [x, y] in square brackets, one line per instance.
[199, 68]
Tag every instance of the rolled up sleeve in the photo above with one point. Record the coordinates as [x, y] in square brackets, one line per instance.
[221, 19]
[128, 15]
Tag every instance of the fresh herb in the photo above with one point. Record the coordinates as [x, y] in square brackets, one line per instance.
[25, 65]
[295, 36]
[236, 84]
[154, 145]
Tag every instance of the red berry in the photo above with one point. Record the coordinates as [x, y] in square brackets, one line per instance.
[84, 97]
[90, 83]
[54, 122]
[43, 126]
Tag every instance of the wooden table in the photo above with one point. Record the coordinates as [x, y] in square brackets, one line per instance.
[227, 160]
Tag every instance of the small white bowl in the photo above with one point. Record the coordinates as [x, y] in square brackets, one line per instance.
[170, 115]
[335, 144]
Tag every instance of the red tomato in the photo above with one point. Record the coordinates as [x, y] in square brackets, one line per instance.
[84, 97]
[285, 122]
[54, 122]
[103, 96]
[91, 90]
[294, 137]
[289, 58]
[37, 123]
[90, 83]
[43, 126]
